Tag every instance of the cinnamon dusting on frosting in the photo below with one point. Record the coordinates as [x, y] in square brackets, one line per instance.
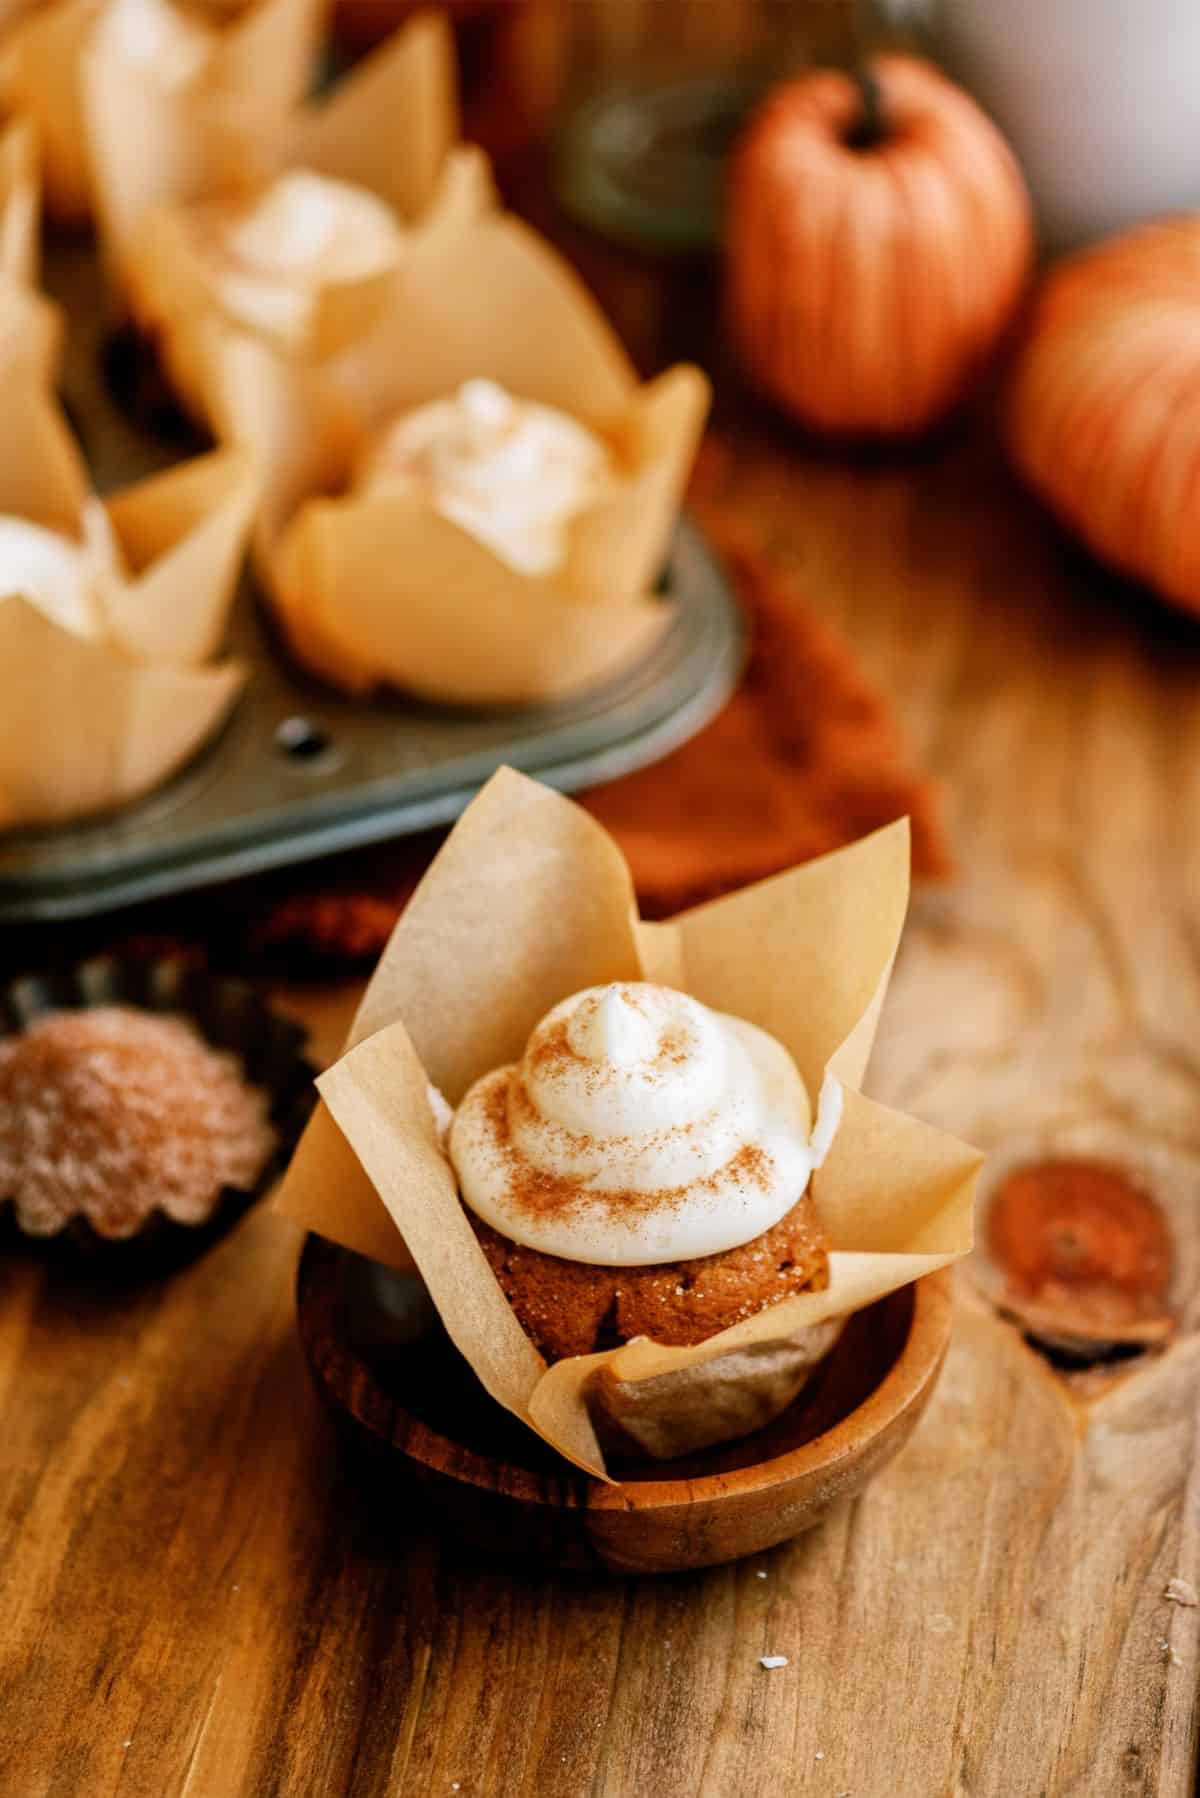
[637, 1128]
[540, 1192]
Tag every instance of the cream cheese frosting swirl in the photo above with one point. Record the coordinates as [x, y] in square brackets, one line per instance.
[639, 1127]
[510, 472]
[269, 258]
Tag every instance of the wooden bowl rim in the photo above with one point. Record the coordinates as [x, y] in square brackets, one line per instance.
[914, 1367]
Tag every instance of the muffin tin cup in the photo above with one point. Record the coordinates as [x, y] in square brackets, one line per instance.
[231, 1015]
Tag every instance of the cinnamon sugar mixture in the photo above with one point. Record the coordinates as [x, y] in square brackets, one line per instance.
[113, 1113]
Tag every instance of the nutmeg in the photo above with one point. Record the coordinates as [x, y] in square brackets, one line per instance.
[878, 238]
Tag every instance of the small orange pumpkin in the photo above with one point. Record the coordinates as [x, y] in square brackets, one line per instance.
[878, 237]
[1105, 414]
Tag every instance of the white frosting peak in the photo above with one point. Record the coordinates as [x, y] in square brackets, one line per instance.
[510, 472]
[270, 258]
[610, 1029]
[485, 404]
[638, 1127]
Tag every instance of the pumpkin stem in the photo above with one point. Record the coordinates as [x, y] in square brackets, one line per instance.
[869, 129]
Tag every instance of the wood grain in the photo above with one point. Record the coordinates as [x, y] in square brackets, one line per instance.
[202, 1598]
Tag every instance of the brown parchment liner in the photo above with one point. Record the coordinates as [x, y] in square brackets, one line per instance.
[31, 329]
[389, 127]
[41, 50]
[383, 589]
[20, 203]
[529, 901]
[88, 723]
[31, 333]
[151, 142]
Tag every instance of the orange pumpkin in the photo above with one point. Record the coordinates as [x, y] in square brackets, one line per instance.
[1105, 413]
[875, 252]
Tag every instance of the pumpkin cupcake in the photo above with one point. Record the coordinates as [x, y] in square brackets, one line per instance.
[643, 1170]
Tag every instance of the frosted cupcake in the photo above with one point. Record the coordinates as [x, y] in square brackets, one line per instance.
[112, 615]
[631, 1227]
[482, 521]
[298, 248]
[304, 262]
[643, 1170]
[183, 79]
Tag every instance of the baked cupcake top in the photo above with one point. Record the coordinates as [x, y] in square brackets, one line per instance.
[509, 471]
[639, 1127]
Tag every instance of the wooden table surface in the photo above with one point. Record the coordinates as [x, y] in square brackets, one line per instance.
[198, 1597]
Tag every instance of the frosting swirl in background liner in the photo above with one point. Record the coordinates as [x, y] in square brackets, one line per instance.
[511, 473]
[195, 94]
[229, 1014]
[95, 717]
[381, 588]
[529, 902]
[298, 246]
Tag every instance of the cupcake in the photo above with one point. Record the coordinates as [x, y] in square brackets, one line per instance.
[143, 1106]
[178, 99]
[644, 1171]
[304, 261]
[484, 523]
[631, 1226]
[111, 615]
[298, 249]
[188, 80]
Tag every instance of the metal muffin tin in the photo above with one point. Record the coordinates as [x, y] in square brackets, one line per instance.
[300, 771]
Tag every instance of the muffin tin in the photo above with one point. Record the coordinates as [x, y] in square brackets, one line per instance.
[300, 771]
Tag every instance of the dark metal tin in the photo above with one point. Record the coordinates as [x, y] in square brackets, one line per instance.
[300, 771]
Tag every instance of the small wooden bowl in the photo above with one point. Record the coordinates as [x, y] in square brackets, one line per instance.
[417, 1409]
